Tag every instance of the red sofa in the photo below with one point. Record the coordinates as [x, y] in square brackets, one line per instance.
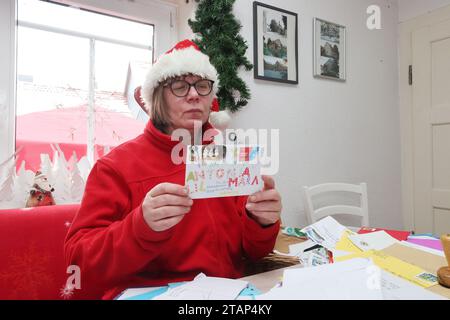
[32, 262]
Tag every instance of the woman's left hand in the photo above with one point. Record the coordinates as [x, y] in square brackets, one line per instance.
[265, 206]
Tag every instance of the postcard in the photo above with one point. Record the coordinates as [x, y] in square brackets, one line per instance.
[214, 171]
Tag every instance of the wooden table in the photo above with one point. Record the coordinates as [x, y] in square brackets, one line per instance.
[264, 281]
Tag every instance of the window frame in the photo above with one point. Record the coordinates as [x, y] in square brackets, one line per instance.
[8, 32]
[159, 14]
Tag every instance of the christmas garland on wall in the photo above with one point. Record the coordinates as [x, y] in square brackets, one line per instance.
[217, 35]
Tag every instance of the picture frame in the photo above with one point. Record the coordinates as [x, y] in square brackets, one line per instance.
[275, 39]
[330, 54]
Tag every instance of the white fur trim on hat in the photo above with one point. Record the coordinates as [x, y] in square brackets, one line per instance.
[220, 120]
[177, 63]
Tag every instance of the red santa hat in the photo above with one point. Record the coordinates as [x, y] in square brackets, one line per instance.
[184, 58]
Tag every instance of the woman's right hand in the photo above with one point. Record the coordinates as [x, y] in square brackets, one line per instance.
[165, 206]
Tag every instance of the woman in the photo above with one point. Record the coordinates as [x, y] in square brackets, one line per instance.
[137, 226]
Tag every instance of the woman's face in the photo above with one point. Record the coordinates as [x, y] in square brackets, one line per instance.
[185, 111]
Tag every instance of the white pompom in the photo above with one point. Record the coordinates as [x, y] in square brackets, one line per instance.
[220, 120]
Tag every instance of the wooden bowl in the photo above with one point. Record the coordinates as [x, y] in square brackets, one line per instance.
[444, 276]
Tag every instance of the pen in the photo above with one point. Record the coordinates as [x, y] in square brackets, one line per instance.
[317, 246]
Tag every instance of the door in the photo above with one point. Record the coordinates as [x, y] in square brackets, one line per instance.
[431, 120]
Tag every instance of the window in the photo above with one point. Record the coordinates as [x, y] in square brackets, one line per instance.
[75, 72]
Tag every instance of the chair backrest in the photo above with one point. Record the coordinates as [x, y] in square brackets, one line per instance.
[32, 264]
[314, 215]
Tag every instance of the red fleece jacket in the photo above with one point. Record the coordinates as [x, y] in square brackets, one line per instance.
[115, 248]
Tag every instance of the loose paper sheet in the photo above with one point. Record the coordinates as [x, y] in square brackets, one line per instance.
[421, 248]
[347, 280]
[378, 240]
[395, 288]
[326, 232]
[345, 244]
[397, 267]
[205, 288]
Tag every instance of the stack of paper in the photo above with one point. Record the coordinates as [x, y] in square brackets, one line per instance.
[379, 239]
[427, 241]
[333, 236]
[395, 288]
[201, 288]
[422, 248]
[355, 279]
[326, 232]
[315, 256]
[397, 267]
[362, 270]
[205, 288]
[326, 238]
[345, 280]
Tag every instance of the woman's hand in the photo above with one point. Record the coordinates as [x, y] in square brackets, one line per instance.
[165, 206]
[265, 206]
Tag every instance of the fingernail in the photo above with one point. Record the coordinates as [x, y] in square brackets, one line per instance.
[249, 206]
[252, 198]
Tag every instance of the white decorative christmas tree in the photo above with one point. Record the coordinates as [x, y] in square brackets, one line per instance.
[7, 176]
[46, 167]
[77, 186]
[72, 161]
[61, 179]
[68, 178]
[85, 168]
[22, 185]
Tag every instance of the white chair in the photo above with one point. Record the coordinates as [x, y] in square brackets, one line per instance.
[314, 215]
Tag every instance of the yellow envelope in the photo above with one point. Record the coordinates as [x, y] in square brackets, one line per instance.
[397, 267]
[345, 244]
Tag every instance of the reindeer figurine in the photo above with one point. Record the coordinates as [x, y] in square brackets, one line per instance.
[41, 192]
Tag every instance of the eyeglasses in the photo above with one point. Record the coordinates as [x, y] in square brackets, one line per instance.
[181, 88]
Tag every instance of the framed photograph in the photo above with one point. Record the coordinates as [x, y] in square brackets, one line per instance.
[275, 35]
[329, 50]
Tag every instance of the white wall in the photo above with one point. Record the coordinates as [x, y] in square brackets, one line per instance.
[332, 131]
[7, 70]
[186, 11]
[408, 9]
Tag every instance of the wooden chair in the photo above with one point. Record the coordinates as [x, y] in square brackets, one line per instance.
[314, 215]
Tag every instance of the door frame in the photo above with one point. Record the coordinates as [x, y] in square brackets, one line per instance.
[405, 31]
